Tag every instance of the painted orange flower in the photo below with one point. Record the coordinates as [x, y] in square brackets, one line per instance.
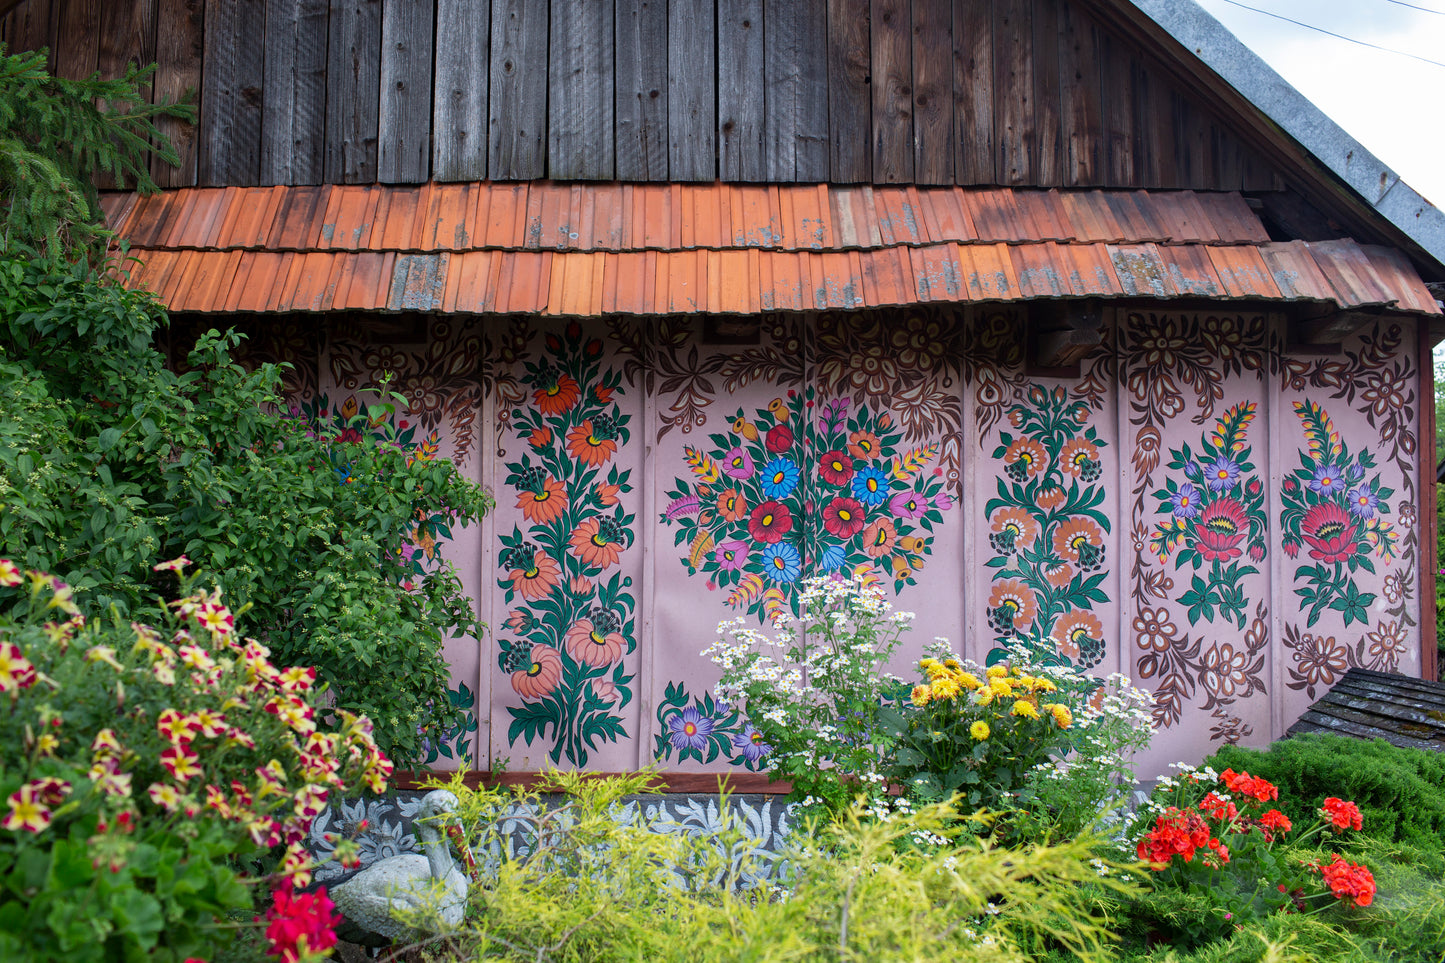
[597, 542]
[607, 494]
[581, 587]
[878, 538]
[1027, 453]
[1049, 498]
[1074, 630]
[1059, 575]
[558, 396]
[864, 445]
[1081, 541]
[1013, 529]
[537, 578]
[1012, 605]
[584, 444]
[541, 508]
[585, 643]
[1076, 453]
[542, 674]
[541, 438]
[731, 505]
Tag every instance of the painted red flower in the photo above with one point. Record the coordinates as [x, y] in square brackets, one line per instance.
[1219, 530]
[836, 467]
[843, 517]
[770, 521]
[779, 439]
[1330, 532]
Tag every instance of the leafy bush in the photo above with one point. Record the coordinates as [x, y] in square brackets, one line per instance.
[575, 883]
[1398, 790]
[140, 766]
[108, 457]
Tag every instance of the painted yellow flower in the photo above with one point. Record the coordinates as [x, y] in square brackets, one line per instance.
[979, 730]
[1025, 709]
[921, 695]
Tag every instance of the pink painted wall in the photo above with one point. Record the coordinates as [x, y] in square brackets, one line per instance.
[1230, 524]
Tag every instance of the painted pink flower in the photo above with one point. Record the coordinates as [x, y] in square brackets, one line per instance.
[589, 645]
[1330, 532]
[731, 556]
[737, 464]
[1220, 528]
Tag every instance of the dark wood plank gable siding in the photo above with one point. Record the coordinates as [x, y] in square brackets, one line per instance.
[1015, 92]
[405, 109]
[641, 79]
[232, 78]
[459, 100]
[740, 90]
[353, 79]
[691, 97]
[293, 105]
[517, 116]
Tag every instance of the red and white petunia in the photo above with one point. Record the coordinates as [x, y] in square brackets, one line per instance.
[210, 723]
[310, 800]
[105, 743]
[174, 565]
[217, 618]
[165, 796]
[196, 657]
[28, 811]
[298, 678]
[16, 671]
[176, 727]
[9, 573]
[180, 762]
[103, 653]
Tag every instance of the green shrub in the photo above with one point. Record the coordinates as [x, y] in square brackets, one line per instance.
[1398, 790]
[139, 768]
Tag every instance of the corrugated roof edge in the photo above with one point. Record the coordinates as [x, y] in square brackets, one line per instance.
[1375, 183]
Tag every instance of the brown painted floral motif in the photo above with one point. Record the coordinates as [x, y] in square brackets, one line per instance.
[1228, 728]
[1319, 660]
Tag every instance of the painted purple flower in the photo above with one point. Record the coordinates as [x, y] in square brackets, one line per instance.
[1221, 474]
[731, 556]
[908, 505]
[737, 464]
[1185, 501]
[942, 501]
[750, 741]
[689, 729]
[1327, 481]
[1363, 502]
[1191, 469]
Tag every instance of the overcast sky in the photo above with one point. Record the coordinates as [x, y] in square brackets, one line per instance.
[1393, 105]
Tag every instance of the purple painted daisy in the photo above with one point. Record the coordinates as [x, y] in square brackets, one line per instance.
[689, 729]
[1328, 481]
[1363, 502]
[1221, 474]
[750, 741]
[1185, 502]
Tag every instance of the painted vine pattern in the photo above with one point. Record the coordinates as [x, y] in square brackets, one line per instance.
[1048, 532]
[1215, 502]
[573, 623]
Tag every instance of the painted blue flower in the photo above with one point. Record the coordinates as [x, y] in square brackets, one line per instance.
[870, 486]
[750, 741]
[782, 563]
[1363, 502]
[1221, 474]
[1191, 469]
[1185, 501]
[1328, 481]
[832, 559]
[689, 729]
[780, 477]
[1355, 473]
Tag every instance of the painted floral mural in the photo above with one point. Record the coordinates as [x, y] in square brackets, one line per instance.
[802, 488]
[1215, 502]
[572, 615]
[705, 730]
[1048, 531]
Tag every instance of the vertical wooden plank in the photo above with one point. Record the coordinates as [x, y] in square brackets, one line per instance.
[850, 101]
[1048, 160]
[580, 141]
[404, 112]
[231, 93]
[517, 114]
[891, 40]
[1080, 108]
[1144, 124]
[642, 132]
[353, 78]
[1015, 142]
[795, 129]
[77, 43]
[459, 106]
[692, 91]
[973, 46]
[293, 104]
[127, 37]
[740, 72]
[180, 38]
[933, 91]
[1115, 59]
[30, 26]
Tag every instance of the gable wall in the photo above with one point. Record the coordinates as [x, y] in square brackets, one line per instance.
[1010, 92]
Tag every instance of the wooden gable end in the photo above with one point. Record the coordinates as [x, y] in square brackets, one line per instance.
[972, 92]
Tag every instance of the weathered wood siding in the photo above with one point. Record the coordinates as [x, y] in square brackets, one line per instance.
[1014, 92]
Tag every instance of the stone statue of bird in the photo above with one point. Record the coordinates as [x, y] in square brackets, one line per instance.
[393, 899]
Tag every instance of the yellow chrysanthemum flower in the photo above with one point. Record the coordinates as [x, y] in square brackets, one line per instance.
[926, 664]
[944, 688]
[997, 672]
[1044, 685]
[921, 695]
[979, 730]
[969, 681]
[984, 696]
[951, 664]
[1001, 688]
[1025, 709]
[1063, 718]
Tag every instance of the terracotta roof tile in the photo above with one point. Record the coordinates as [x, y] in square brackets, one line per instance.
[582, 249]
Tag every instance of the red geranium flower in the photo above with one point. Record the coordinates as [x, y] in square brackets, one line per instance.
[1342, 815]
[770, 521]
[836, 467]
[1330, 532]
[1245, 784]
[1220, 528]
[1276, 820]
[843, 517]
[1349, 879]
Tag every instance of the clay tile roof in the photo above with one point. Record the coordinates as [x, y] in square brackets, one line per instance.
[585, 249]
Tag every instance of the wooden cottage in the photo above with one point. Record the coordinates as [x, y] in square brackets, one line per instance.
[1064, 320]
